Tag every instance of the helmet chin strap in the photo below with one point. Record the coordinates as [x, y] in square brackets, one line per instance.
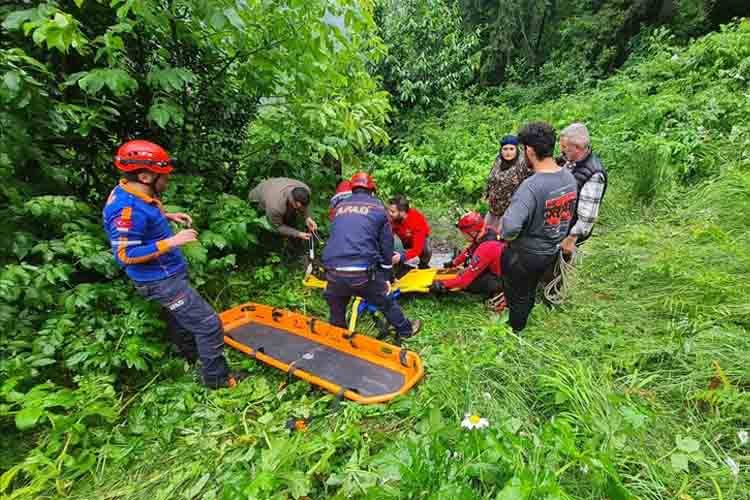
[152, 185]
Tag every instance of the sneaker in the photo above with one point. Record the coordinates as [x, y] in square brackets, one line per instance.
[497, 303]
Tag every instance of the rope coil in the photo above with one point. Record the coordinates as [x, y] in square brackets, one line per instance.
[556, 291]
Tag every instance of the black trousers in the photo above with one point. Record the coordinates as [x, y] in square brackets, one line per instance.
[486, 284]
[521, 274]
[343, 286]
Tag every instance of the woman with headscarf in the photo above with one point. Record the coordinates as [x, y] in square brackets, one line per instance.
[508, 172]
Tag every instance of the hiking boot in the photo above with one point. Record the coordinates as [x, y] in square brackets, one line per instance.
[416, 325]
[232, 381]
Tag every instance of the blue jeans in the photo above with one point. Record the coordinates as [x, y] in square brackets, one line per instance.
[343, 286]
[191, 316]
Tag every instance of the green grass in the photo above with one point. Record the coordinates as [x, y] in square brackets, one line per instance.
[635, 388]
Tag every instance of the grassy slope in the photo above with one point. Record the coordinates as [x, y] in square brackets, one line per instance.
[642, 373]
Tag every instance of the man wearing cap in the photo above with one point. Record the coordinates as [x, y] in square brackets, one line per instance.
[357, 257]
[283, 200]
[145, 247]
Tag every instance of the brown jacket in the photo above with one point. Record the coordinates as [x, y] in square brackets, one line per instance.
[275, 196]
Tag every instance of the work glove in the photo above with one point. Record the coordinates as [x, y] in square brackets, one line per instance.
[438, 287]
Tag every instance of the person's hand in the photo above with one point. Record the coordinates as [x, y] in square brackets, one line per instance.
[183, 237]
[388, 287]
[311, 225]
[568, 245]
[304, 236]
[438, 287]
[180, 218]
[396, 258]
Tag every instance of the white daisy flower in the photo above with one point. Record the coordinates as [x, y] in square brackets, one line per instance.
[743, 437]
[472, 422]
[733, 466]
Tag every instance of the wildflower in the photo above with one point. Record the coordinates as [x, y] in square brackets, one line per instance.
[743, 437]
[474, 422]
[733, 466]
[488, 396]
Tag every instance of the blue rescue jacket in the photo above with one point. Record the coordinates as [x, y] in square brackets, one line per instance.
[137, 231]
[361, 235]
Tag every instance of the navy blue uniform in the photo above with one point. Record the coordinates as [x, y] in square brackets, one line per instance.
[357, 259]
[139, 233]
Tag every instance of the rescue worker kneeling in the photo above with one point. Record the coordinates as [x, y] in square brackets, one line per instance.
[482, 273]
[358, 256]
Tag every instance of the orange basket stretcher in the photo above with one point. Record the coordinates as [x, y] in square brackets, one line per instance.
[358, 367]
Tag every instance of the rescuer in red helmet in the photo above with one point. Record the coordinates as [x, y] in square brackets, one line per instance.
[481, 260]
[358, 255]
[343, 192]
[145, 247]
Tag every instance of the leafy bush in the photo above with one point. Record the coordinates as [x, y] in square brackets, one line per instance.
[430, 55]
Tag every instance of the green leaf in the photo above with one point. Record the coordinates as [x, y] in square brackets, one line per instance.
[195, 490]
[298, 483]
[61, 20]
[28, 417]
[163, 112]
[688, 445]
[17, 18]
[8, 476]
[218, 21]
[170, 79]
[117, 80]
[11, 79]
[234, 19]
[512, 491]
[637, 420]
[679, 462]
[79, 3]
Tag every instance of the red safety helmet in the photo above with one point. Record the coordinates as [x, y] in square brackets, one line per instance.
[344, 187]
[143, 155]
[363, 180]
[471, 223]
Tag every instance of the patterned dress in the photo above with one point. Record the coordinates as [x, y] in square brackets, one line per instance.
[504, 179]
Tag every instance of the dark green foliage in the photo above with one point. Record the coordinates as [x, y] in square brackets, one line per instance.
[76, 79]
[430, 55]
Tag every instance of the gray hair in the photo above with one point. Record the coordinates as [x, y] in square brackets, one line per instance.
[578, 134]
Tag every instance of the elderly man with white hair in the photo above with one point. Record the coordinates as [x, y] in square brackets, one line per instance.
[591, 178]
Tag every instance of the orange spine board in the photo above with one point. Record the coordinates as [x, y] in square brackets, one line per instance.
[361, 346]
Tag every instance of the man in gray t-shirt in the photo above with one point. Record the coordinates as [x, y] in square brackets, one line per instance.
[536, 221]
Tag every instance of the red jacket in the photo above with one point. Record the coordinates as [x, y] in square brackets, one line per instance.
[413, 232]
[484, 257]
